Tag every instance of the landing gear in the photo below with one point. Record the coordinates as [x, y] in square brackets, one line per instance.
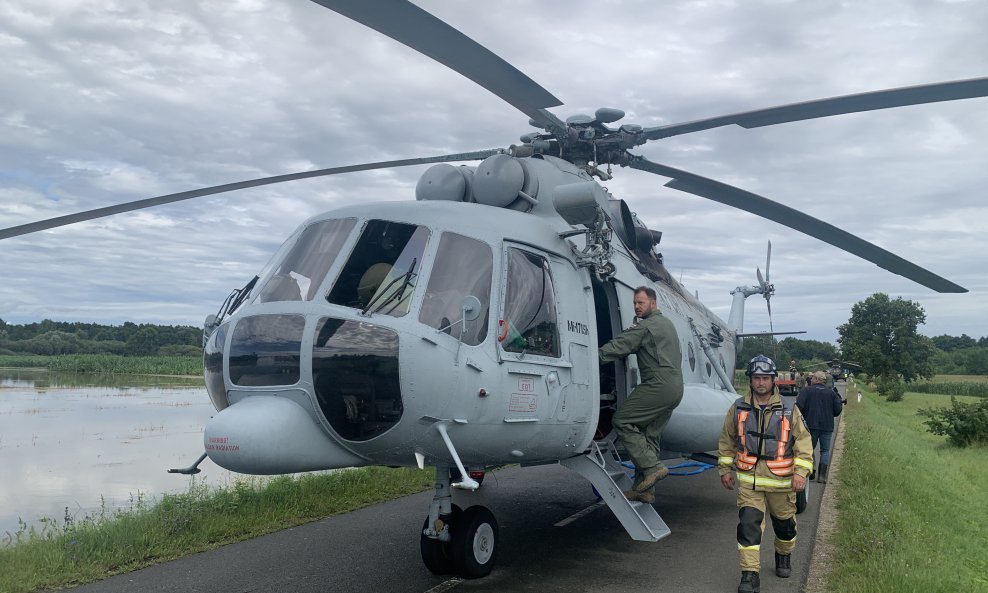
[437, 554]
[475, 543]
[455, 541]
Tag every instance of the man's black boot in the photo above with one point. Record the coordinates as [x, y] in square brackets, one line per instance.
[749, 582]
[822, 476]
[782, 567]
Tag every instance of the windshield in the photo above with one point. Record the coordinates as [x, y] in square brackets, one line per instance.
[382, 271]
[304, 267]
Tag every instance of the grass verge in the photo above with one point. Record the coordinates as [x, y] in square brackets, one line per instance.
[113, 542]
[108, 363]
[911, 508]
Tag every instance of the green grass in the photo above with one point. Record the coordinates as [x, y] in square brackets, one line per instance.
[71, 552]
[974, 385]
[108, 364]
[912, 509]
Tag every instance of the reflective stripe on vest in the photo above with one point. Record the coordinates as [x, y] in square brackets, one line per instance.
[749, 479]
[775, 439]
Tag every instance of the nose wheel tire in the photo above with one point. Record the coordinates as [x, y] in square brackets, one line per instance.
[475, 542]
[437, 555]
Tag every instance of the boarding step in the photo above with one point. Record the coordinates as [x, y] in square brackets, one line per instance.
[602, 467]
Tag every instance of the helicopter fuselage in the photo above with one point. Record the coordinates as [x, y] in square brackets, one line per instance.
[374, 326]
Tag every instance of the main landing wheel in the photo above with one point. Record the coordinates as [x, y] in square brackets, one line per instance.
[475, 542]
[438, 555]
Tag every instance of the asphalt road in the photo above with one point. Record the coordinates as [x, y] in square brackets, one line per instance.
[377, 548]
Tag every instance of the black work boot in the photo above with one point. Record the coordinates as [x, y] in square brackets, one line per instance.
[822, 476]
[749, 582]
[782, 566]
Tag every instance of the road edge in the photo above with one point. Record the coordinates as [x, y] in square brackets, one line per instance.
[822, 551]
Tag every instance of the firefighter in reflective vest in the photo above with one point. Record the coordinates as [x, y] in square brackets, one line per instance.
[769, 446]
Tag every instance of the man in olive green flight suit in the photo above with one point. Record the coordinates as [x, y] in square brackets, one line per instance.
[646, 411]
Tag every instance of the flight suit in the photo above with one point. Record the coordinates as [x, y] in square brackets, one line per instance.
[761, 487]
[646, 411]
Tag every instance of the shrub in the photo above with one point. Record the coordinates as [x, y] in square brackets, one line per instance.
[891, 388]
[180, 350]
[962, 424]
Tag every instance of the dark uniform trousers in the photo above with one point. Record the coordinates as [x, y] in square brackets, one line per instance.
[640, 420]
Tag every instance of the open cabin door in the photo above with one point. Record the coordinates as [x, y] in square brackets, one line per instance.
[616, 381]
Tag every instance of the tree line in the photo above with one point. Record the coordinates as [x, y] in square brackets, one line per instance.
[945, 354]
[130, 339]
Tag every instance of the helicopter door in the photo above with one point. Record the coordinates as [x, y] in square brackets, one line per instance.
[613, 376]
[545, 334]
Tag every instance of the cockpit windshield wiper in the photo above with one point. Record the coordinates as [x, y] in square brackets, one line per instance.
[397, 295]
[406, 279]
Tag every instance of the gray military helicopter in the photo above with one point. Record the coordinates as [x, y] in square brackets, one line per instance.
[460, 330]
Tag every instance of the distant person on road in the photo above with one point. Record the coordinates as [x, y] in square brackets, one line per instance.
[646, 411]
[766, 442]
[820, 405]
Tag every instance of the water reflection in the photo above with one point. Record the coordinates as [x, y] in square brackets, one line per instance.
[74, 440]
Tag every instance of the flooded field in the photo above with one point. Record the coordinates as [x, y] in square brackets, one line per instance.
[86, 442]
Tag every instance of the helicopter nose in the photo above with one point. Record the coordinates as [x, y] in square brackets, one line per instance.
[264, 435]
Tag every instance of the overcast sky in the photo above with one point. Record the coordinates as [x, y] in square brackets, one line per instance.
[107, 102]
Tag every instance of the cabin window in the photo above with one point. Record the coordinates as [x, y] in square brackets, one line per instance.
[304, 267]
[355, 377]
[381, 273]
[529, 323]
[212, 364]
[463, 268]
[266, 350]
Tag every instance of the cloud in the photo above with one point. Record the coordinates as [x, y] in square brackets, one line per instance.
[118, 101]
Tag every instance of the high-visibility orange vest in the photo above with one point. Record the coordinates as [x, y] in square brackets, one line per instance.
[771, 442]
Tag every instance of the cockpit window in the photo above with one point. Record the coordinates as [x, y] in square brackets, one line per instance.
[381, 273]
[463, 268]
[266, 350]
[304, 267]
[529, 323]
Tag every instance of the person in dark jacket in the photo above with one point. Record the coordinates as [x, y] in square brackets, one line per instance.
[820, 405]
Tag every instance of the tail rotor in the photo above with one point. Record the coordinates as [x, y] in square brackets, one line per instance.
[765, 286]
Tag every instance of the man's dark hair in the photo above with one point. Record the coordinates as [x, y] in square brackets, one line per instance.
[649, 292]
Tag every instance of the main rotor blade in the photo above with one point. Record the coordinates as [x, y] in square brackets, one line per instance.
[870, 101]
[58, 221]
[796, 220]
[430, 36]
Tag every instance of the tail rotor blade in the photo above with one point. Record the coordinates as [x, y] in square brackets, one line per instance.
[768, 261]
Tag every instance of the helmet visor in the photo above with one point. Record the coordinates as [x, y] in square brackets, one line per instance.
[761, 367]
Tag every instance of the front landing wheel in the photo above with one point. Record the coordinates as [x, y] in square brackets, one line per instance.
[437, 555]
[475, 542]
